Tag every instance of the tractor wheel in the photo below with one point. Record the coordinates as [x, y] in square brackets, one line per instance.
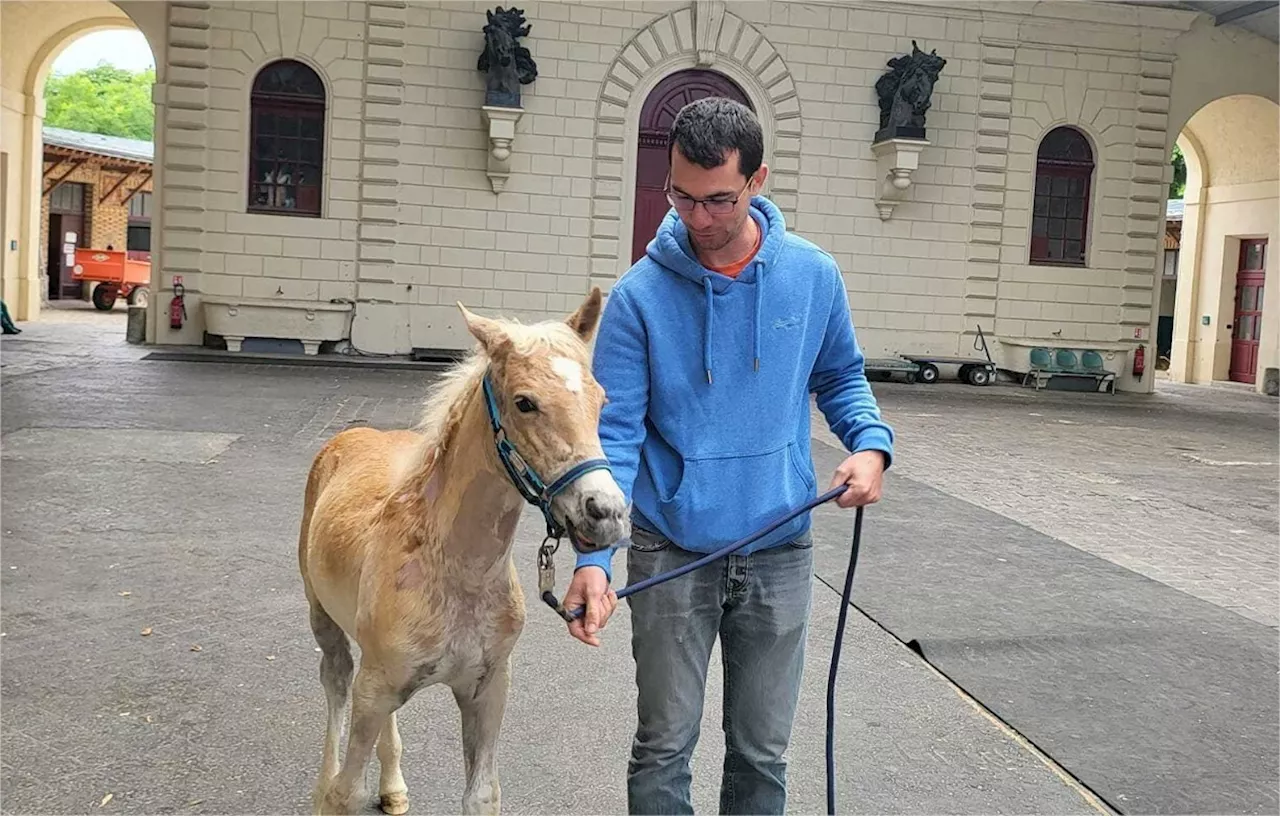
[979, 376]
[928, 373]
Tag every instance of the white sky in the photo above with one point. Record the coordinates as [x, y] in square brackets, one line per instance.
[121, 48]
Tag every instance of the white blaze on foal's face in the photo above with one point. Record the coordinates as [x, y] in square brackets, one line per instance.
[570, 371]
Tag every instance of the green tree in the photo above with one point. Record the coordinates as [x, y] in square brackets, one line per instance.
[1178, 187]
[106, 100]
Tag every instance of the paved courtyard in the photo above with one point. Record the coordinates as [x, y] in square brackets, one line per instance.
[163, 497]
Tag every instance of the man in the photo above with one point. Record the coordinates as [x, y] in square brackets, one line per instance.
[708, 350]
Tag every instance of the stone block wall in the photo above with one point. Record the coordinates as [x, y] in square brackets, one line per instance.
[411, 225]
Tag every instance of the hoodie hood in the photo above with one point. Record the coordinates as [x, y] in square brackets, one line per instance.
[671, 249]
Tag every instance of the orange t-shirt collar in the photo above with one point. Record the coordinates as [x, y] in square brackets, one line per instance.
[734, 269]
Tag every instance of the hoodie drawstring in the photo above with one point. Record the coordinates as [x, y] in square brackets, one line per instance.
[710, 312]
[706, 341]
[759, 287]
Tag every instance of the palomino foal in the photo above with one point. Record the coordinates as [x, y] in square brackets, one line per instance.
[406, 544]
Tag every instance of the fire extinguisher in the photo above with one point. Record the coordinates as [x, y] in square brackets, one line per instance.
[177, 308]
[1139, 361]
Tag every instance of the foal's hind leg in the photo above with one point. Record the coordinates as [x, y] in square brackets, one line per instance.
[392, 790]
[482, 710]
[336, 669]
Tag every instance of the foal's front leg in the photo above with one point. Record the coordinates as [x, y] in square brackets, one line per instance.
[372, 702]
[392, 791]
[482, 710]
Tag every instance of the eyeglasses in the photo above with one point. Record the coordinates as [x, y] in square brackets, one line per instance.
[713, 206]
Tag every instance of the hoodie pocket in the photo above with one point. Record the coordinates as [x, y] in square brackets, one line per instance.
[724, 498]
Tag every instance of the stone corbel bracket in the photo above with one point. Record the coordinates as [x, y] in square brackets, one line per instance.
[896, 161]
[502, 136]
[708, 19]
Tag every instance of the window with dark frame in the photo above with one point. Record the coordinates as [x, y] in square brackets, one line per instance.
[138, 232]
[67, 198]
[286, 140]
[1060, 209]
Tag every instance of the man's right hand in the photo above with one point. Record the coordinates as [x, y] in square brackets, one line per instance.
[590, 586]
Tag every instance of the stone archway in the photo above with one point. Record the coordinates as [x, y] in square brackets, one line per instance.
[659, 111]
[35, 35]
[1227, 250]
[703, 36]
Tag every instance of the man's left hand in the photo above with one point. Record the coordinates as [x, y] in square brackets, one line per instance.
[863, 473]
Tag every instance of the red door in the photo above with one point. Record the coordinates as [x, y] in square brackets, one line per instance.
[1247, 326]
[659, 111]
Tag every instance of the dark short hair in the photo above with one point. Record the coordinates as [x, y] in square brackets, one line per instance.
[711, 127]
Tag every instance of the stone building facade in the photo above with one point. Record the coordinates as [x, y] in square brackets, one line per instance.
[401, 198]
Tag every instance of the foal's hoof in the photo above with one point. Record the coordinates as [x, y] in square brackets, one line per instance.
[395, 804]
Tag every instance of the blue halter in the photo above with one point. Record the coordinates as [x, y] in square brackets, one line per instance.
[524, 477]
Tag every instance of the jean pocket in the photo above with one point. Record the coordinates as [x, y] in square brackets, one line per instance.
[647, 541]
[804, 541]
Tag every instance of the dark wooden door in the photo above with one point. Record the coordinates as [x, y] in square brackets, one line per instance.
[1247, 326]
[66, 231]
[659, 111]
[62, 284]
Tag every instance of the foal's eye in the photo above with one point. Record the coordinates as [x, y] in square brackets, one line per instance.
[525, 405]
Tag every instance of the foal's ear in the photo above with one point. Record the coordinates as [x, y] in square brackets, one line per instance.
[587, 317]
[488, 331]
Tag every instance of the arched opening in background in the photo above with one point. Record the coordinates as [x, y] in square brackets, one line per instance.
[68, 181]
[659, 111]
[1214, 288]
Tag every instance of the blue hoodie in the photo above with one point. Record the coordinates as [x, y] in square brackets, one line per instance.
[708, 378]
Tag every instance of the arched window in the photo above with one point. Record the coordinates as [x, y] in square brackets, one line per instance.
[1060, 213]
[286, 140]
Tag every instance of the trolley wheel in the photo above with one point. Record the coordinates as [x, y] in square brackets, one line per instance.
[979, 375]
[139, 296]
[104, 297]
[963, 374]
[928, 373]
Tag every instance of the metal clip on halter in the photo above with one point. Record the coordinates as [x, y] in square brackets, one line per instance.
[547, 577]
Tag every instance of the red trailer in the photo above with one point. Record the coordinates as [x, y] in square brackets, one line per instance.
[116, 273]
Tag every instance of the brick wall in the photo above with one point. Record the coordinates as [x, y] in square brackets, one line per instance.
[411, 224]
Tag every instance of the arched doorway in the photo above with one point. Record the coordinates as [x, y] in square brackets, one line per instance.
[659, 111]
[34, 36]
[1226, 326]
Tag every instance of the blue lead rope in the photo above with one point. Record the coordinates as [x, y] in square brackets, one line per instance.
[550, 599]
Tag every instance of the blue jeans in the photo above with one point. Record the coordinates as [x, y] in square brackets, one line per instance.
[758, 605]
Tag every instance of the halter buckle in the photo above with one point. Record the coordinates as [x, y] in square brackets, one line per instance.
[547, 565]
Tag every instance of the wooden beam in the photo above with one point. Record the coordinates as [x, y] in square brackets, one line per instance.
[64, 177]
[54, 167]
[137, 189]
[115, 187]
